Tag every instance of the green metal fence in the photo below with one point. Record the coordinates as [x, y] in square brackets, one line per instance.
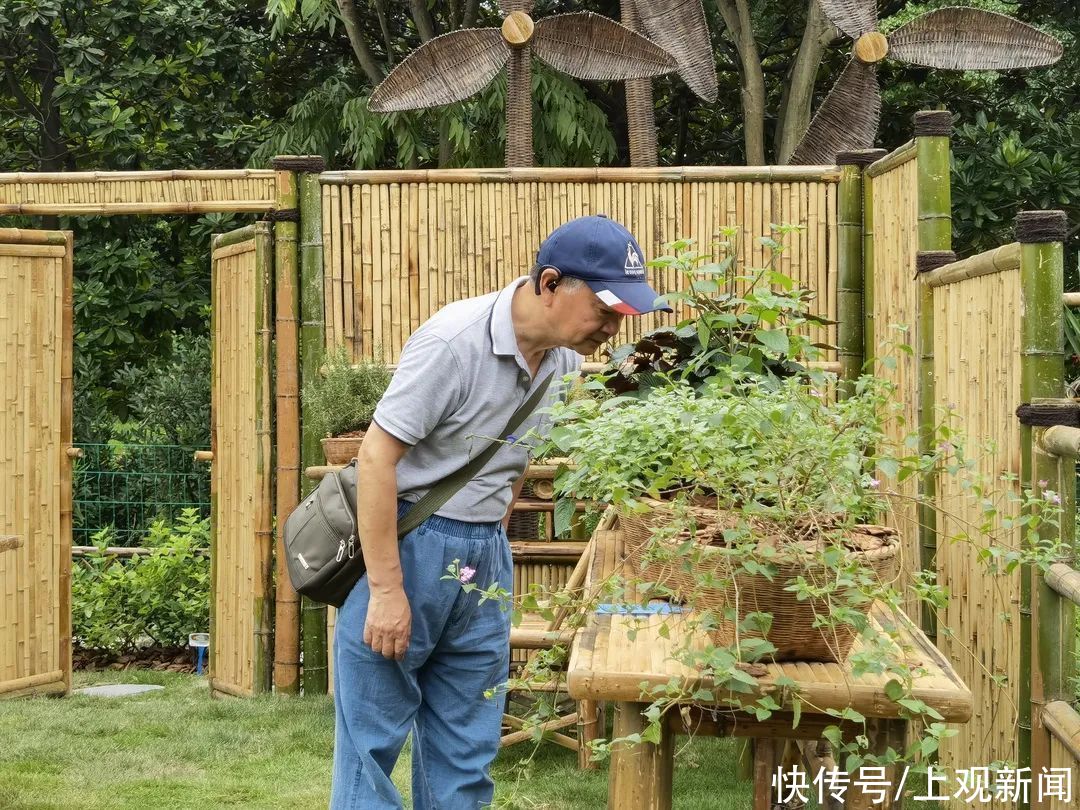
[129, 486]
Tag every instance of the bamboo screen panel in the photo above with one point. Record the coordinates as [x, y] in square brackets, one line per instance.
[35, 472]
[395, 252]
[164, 192]
[241, 474]
[1065, 756]
[896, 321]
[976, 351]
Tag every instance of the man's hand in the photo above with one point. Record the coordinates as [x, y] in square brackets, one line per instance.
[389, 621]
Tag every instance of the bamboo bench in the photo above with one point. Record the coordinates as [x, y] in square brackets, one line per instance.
[609, 663]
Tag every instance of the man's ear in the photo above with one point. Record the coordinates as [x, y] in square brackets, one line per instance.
[549, 278]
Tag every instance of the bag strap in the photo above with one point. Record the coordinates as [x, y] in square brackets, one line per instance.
[439, 494]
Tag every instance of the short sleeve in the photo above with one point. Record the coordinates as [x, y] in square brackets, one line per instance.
[426, 388]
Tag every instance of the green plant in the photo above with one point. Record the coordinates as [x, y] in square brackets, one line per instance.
[118, 604]
[750, 321]
[343, 397]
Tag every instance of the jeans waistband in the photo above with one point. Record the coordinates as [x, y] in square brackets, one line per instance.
[455, 528]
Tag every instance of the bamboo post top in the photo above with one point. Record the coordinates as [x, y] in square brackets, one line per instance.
[609, 662]
[517, 29]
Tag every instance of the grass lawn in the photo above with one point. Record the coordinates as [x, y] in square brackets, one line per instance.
[180, 749]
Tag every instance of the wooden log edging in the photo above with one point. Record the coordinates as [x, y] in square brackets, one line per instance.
[1063, 722]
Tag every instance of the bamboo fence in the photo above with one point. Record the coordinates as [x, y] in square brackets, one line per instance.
[890, 242]
[35, 471]
[397, 246]
[154, 192]
[977, 350]
[242, 510]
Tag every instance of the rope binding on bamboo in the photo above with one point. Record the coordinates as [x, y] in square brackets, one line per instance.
[860, 157]
[1041, 226]
[927, 260]
[314, 164]
[933, 122]
[1049, 414]
[284, 215]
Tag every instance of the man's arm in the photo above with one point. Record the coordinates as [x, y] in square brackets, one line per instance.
[389, 618]
[513, 499]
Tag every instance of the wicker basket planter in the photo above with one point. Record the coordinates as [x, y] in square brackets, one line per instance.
[342, 449]
[792, 631]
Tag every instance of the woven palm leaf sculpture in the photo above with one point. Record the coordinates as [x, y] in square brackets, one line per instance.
[679, 27]
[453, 66]
[948, 38]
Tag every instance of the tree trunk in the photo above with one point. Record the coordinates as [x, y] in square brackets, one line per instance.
[519, 131]
[372, 69]
[736, 16]
[798, 95]
[640, 116]
[384, 26]
[424, 24]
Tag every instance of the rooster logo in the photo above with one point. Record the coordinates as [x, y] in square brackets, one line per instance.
[633, 266]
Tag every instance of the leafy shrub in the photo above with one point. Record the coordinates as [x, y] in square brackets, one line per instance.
[118, 603]
[344, 396]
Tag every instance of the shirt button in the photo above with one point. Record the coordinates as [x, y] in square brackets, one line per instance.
[523, 378]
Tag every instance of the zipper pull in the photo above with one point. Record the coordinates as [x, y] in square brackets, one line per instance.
[352, 537]
[341, 551]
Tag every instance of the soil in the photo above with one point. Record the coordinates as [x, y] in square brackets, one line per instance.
[169, 659]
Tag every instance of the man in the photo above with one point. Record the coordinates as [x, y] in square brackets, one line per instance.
[413, 650]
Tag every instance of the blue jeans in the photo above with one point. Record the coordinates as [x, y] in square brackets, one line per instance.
[458, 649]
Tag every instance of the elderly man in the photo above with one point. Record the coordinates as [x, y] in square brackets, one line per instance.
[412, 650]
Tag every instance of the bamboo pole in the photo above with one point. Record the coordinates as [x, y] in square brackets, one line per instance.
[898, 157]
[996, 260]
[1063, 721]
[1044, 676]
[850, 255]
[312, 350]
[869, 282]
[935, 234]
[70, 178]
[66, 437]
[215, 407]
[263, 601]
[764, 174]
[109, 209]
[286, 600]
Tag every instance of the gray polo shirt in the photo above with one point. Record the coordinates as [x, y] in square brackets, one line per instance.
[459, 380]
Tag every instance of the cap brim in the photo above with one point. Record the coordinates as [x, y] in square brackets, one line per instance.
[630, 298]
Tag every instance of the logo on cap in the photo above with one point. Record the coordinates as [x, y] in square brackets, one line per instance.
[633, 266]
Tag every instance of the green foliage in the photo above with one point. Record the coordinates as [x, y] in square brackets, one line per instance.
[343, 397]
[782, 452]
[744, 321]
[117, 604]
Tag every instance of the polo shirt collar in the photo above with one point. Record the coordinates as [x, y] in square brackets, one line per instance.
[503, 336]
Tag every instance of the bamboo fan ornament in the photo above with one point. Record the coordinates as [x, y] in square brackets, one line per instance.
[454, 66]
[679, 27]
[947, 38]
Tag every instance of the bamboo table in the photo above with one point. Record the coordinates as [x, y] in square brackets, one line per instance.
[610, 663]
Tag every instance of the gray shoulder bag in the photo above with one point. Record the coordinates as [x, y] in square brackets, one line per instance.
[323, 555]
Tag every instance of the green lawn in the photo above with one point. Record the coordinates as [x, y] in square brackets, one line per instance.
[180, 749]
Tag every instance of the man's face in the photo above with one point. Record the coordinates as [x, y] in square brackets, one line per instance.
[585, 321]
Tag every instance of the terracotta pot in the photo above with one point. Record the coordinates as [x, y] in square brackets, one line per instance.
[792, 631]
[342, 449]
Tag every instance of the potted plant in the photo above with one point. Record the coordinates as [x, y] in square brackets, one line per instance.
[741, 488]
[339, 403]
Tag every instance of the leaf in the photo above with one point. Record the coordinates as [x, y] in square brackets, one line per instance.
[564, 515]
[774, 339]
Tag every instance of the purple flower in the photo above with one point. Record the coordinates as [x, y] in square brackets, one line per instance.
[815, 392]
[511, 438]
[874, 483]
[1054, 498]
[945, 447]
[1042, 483]
[466, 574]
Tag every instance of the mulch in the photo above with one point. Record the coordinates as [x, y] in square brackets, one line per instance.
[168, 659]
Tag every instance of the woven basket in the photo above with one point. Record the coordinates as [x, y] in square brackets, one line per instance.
[792, 631]
[342, 450]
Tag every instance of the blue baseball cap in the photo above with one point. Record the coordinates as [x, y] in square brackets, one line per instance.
[607, 257]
